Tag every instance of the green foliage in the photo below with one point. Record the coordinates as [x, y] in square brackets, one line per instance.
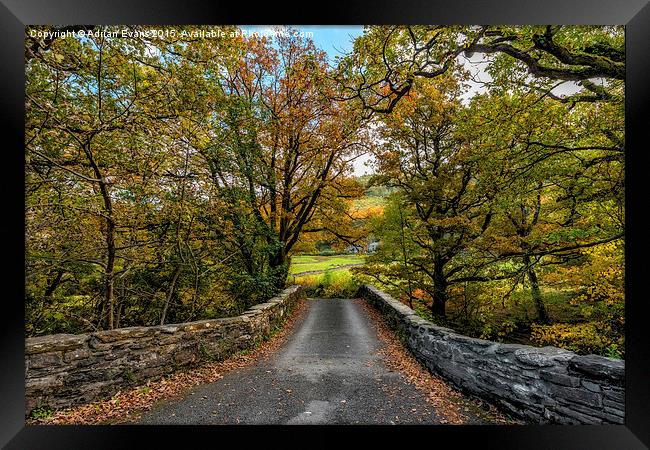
[41, 413]
[499, 331]
[128, 376]
[145, 390]
[248, 289]
[204, 353]
[370, 201]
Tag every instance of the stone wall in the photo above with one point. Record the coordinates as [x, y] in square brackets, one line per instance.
[67, 369]
[541, 385]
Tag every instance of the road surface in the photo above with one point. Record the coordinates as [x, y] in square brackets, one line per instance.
[327, 372]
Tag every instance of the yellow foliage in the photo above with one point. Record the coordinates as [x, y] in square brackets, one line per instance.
[583, 338]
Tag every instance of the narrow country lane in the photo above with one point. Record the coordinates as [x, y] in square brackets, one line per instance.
[327, 372]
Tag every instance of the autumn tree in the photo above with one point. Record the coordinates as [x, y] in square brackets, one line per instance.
[115, 213]
[559, 157]
[563, 180]
[442, 182]
[278, 147]
[388, 59]
[85, 101]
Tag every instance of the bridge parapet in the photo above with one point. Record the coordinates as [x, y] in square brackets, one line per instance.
[63, 370]
[543, 385]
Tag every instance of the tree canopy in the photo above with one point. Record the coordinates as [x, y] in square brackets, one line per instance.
[171, 177]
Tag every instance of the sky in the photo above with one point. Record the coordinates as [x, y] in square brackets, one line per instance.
[336, 40]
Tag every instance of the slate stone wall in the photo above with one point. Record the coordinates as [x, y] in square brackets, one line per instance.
[63, 370]
[541, 385]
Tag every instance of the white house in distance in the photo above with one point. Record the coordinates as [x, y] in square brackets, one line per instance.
[371, 248]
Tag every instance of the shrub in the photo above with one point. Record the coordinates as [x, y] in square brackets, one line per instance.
[42, 412]
[582, 338]
[499, 331]
[330, 284]
[338, 284]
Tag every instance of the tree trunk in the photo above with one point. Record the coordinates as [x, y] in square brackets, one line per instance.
[107, 306]
[542, 314]
[110, 271]
[54, 284]
[170, 293]
[439, 291]
[438, 306]
[118, 313]
[280, 266]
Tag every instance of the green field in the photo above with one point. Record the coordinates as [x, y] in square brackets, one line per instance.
[308, 263]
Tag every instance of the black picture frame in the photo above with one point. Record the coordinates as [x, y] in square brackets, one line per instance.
[15, 14]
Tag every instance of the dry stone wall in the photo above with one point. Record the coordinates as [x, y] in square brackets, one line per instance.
[63, 370]
[542, 385]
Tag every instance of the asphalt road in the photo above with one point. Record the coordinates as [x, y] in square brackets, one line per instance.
[327, 372]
